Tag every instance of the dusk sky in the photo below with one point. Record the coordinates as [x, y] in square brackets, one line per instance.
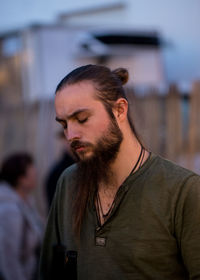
[18, 13]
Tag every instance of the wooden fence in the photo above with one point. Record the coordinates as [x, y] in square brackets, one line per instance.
[169, 125]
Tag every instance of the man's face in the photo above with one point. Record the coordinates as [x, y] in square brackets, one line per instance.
[87, 126]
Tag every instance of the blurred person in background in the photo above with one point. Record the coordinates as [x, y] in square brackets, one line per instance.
[65, 161]
[21, 228]
[121, 212]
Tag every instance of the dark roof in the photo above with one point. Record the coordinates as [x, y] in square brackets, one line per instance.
[127, 39]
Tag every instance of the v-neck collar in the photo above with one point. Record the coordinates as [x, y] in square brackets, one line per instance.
[121, 192]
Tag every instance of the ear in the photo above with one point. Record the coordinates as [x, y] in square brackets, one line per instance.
[121, 109]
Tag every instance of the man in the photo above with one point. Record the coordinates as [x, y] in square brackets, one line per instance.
[121, 212]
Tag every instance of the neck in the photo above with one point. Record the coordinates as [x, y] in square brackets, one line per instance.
[126, 159]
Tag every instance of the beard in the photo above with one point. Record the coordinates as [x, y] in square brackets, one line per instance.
[95, 168]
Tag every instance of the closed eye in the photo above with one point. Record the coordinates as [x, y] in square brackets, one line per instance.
[82, 120]
[64, 124]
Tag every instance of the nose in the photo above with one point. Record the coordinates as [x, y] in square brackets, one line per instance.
[72, 133]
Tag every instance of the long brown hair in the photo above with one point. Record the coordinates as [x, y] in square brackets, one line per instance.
[109, 88]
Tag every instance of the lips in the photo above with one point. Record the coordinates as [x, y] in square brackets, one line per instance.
[79, 148]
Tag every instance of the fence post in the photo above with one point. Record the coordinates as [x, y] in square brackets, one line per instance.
[174, 139]
[194, 127]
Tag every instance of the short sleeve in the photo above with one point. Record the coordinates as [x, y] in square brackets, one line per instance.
[187, 224]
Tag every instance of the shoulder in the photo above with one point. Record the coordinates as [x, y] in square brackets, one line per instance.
[9, 201]
[170, 182]
[9, 210]
[68, 175]
[67, 182]
[172, 173]
[171, 189]
[11, 218]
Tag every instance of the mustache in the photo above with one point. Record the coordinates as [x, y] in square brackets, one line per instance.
[77, 144]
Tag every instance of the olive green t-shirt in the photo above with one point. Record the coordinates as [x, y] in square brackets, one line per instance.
[153, 231]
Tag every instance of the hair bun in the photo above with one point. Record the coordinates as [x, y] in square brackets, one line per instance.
[122, 74]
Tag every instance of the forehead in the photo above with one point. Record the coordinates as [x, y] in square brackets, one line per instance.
[75, 97]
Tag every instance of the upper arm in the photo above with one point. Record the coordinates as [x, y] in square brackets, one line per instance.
[11, 234]
[11, 229]
[50, 239]
[188, 226]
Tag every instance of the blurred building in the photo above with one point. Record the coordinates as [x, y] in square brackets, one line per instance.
[35, 59]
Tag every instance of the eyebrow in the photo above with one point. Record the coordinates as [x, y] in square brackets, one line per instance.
[73, 115]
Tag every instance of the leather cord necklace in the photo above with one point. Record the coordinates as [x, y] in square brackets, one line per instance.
[98, 200]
